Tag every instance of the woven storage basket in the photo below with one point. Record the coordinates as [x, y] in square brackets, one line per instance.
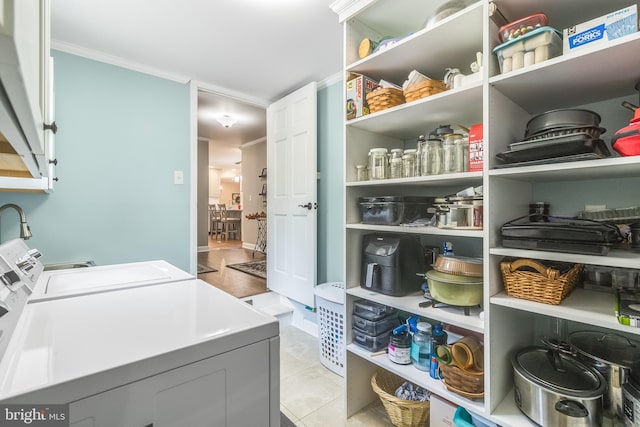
[403, 413]
[424, 89]
[543, 284]
[469, 384]
[383, 98]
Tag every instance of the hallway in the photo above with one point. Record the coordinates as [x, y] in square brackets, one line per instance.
[236, 283]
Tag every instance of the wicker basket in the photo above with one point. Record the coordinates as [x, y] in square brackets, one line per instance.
[403, 413]
[544, 284]
[424, 89]
[469, 384]
[383, 98]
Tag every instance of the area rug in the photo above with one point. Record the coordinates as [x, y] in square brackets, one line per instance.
[206, 269]
[257, 268]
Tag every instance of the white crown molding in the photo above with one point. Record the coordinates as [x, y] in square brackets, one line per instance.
[330, 81]
[347, 8]
[237, 96]
[116, 60]
[254, 142]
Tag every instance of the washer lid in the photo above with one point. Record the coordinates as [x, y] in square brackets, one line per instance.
[607, 347]
[558, 372]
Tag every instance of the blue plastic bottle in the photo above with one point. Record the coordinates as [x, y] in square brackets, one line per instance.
[438, 337]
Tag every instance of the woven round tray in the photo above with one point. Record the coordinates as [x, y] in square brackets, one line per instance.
[469, 384]
[528, 279]
[402, 413]
[424, 89]
[383, 98]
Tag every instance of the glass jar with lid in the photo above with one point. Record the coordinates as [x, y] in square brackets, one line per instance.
[409, 163]
[395, 163]
[449, 152]
[462, 154]
[378, 163]
[432, 157]
[362, 174]
[420, 147]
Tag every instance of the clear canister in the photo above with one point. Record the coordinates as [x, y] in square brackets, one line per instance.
[431, 158]
[362, 174]
[378, 163]
[462, 154]
[420, 148]
[449, 152]
[409, 163]
[395, 167]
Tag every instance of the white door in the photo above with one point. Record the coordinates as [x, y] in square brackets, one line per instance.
[291, 195]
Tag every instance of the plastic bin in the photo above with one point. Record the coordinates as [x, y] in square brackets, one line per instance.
[331, 323]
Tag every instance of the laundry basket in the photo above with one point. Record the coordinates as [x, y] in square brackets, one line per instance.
[331, 325]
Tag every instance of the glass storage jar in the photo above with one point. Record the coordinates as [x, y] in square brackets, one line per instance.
[432, 157]
[420, 147]
[395, 163]
[449, 152]
[362, 174]
[462, 154]
[378, 163]
[409, 163]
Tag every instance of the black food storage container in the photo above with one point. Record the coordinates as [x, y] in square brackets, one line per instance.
[394, 210]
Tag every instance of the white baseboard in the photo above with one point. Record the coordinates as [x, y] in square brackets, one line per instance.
[248, 245]
[203, 248]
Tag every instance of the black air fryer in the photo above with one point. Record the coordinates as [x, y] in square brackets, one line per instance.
[390, 263]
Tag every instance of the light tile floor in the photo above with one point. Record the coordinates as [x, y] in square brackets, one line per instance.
[312, 395]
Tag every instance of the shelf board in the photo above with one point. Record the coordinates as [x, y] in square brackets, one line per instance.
[588, 307]
[443, 180]
[615, 167]
[430, 49]
[409, 303]
[417, 230]
[418, 377]
[407, 121]
[616, 257]
[613, 65]
[508, 414]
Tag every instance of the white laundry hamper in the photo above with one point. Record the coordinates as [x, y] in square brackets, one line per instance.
[331, 325]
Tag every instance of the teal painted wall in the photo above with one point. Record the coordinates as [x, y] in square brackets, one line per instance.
[330, 186]
[121, 135]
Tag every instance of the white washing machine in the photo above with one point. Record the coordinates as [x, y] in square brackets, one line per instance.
[183, 353]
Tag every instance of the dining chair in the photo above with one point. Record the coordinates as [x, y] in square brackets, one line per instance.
[231, 224]
[216, 226]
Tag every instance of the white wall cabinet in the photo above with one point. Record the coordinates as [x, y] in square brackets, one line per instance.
[598, 78]
[27, 157]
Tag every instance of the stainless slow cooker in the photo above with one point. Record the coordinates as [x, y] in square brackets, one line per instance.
[612, 355]
[631, 400]
[555, 389]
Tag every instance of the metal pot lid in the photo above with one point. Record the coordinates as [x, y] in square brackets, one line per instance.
[606, 347]
[558, 372]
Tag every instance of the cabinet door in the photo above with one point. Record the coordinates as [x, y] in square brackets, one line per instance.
[230, 390]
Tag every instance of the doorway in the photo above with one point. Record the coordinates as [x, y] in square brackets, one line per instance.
[231, 158]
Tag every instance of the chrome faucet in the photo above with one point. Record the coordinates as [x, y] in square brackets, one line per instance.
[25, 232]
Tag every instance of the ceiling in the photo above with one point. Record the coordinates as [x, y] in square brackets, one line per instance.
[247, 53]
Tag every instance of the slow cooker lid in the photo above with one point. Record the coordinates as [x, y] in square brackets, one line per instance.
[558, 372]
[608, 347]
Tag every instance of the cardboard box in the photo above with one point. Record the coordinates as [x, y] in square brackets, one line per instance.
[627, 307]
[476, 147]
[599, 30]
[441, 412]
[357, 90]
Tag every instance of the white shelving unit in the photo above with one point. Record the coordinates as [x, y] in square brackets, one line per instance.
[598, 78]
